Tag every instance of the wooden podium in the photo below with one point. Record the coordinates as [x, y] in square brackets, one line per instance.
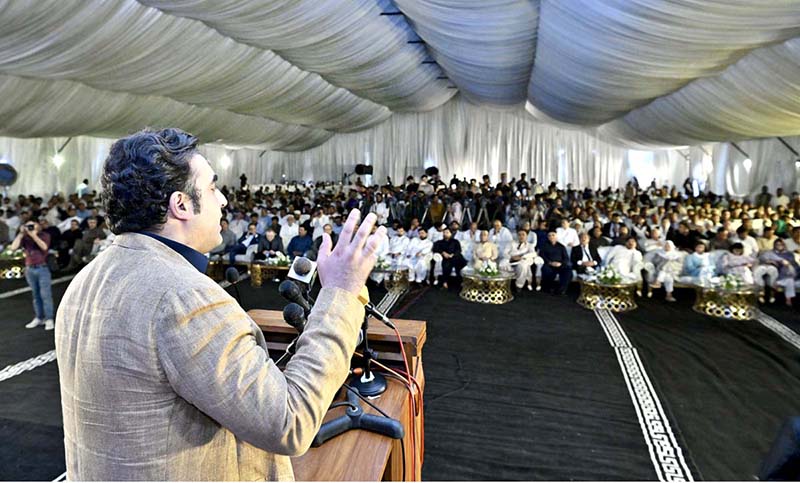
[359, 455]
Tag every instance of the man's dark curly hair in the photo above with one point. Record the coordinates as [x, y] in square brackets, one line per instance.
[141, 173]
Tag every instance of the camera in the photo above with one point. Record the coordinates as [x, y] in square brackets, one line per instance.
[30, 226]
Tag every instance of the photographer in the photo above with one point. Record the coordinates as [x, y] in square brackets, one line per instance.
[35, 243]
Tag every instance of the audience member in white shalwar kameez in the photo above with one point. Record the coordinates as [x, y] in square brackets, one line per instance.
[628, 261]
[435, 233]
[567, 235]
[398, 245]
[381, 210]
[668, 264]
[382, 253]
[484, 252]
[502, 238]
[417, 257]
[749, 244]
[318, 223]
[655, 243]
[521, 258]
[289, 230]
[239, 225]
[468, 240]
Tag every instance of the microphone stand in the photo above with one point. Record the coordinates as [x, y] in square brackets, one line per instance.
[370, 384]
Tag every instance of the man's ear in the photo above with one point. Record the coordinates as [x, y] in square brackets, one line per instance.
[180, 206]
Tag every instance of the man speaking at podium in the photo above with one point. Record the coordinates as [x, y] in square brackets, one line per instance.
[163, 376]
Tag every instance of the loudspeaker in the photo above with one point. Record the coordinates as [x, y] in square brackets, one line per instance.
[432, 171]
[363, 169]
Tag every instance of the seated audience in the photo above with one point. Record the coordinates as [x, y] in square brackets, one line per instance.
[698, 264]
[228, 239]
[786, 264]
[483, 252]
[585, 258]
[244, 242]
[522, 258]
[556, 264]
[447, 254]
[269, 246]
[417, 257]
[668, 264]
[300, 244]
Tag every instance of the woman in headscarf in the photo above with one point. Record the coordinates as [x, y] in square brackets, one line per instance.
[668, 265]
[788, 270]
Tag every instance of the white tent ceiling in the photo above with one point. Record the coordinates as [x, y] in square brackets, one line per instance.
[289, 74]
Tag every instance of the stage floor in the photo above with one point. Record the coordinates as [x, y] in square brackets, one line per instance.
[539, 388]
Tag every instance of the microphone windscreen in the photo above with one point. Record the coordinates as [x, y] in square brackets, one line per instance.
[289, 290]
[302, 266]
[232, 275]
[295, 316]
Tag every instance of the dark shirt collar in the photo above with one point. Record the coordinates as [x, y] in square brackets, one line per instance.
[197, 259]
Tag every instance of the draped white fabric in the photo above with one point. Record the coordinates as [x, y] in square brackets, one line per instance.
[123, 54]
[459, 138]
[348, 42]
[598, 59]
[289, 75]
[485, 46]
[33, 108]
[759, 96]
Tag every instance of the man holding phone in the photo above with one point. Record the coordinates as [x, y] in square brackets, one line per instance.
[36, 242]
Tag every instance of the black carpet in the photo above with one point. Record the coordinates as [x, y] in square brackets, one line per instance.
[727, 386]
[530, 390]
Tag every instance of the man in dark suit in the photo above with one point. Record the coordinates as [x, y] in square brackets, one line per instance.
[269, 245]
[585, 256]
[611, 229]
[556, 264]
[250, 237]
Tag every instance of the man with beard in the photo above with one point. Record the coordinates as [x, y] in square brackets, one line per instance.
[447, 255]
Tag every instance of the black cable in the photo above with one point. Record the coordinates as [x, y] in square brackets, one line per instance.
[342, 403]
[366, 400]
[402, 445]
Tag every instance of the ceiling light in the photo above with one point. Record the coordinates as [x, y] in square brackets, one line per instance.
[747, 163]
[58, 160]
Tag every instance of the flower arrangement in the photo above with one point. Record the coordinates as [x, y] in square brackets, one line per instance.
[9, 254]
[382, 263]
[609, 276]
[279, 260]
[730, 282]
[489, 269]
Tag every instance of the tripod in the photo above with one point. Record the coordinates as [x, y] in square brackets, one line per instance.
[368, 385]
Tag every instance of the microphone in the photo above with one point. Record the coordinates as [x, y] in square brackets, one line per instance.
[291, 292]
[303, 270]
[232, 277]
[370, 309]
[295, 316]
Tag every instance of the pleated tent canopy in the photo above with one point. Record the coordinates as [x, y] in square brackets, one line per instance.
[287, 76]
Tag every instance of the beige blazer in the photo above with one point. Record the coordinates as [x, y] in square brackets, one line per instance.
[164, 377]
